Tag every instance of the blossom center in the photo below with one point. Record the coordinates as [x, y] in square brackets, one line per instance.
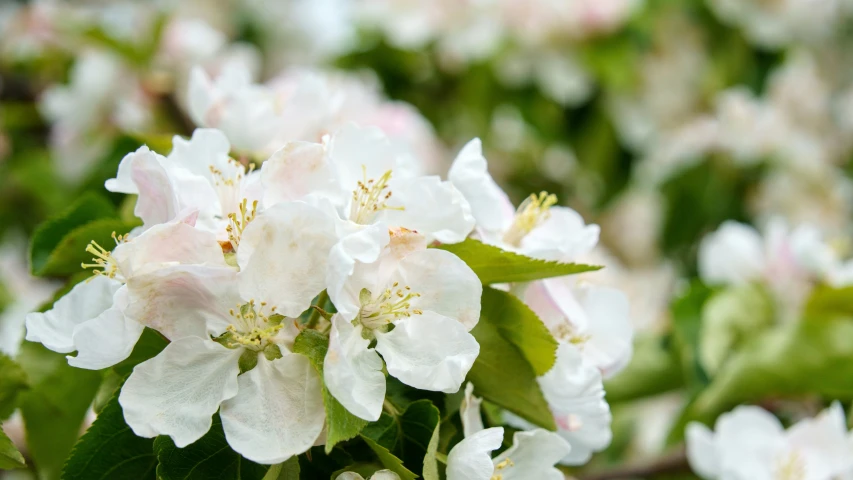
[532, 212]
[221, 179]
[791, 467]
[369, 197]
[253, 327]
[393, 303]
[500, 467]
[103, 262]
[567, 333]
[238, 221]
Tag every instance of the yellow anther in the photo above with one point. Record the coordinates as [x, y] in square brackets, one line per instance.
[532, 212]
[504, 464]
[369, 197]
[387, 307]
[103, 262]
[237, 223]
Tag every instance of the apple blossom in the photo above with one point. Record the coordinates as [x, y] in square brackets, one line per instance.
[419, 305]
[229, 349]
[749, 442]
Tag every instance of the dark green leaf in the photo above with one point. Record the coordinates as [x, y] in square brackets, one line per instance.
[384, 431]
[13, 381]
[10, 457]
[419, 425]
[389, 461]
[110, 451]
[54, 407]
[493, 265]
[521, 327]
[150, 343]
[66, 258]
[341, 424]
[89, 207]
[209, 457]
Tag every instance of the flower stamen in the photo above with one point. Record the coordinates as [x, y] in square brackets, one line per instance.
[370, 196]
[102, 263]
[393, 303]
[236, 224]
[532, 212]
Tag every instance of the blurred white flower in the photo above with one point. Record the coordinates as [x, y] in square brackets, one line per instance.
[751, 443]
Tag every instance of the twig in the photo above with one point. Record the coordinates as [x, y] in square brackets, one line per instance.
[671, 463]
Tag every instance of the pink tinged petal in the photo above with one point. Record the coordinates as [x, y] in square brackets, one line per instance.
[278, 411]
[360, 153]
[165, 244]
[431, 207]
[177, 392]
[158, 198]
[734, 254]
[184, 300]
[469, 412]
[533, 455]
[471, 458]
[469, 173]
[445, 283]
[105, 340]
[87, 300]
[429, 352]
[288, 250]
[123, 183]
[563, 237]
[702, 451]
[353, 372]
[297, 170]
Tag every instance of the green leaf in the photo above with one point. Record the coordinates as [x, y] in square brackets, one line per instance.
[493, 265]
[89, 207]
[13, 381]
[66, 258]
[686, 327]
[384, 431]
[54, 407]
[341, 424]
[419, 425]
[517, 323]
[807, 357]
[150, 343]
[110, 451]
[654, 369]
[10, 457]
[827, 301]
[389, 461]
[502, 375]
[209, 457]
[288, 470]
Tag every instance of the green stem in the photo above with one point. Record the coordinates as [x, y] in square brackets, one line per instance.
[322, 299]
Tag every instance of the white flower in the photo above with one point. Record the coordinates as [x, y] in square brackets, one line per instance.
[362, 180]
[198, 174]
[532, 454]
[574, 391]
[751, 443]
[596, 319]
[91, 318]
[537, 228]
[419, 305]
[220, 320]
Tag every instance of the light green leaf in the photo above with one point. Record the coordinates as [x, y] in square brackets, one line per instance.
[13, 381]
[807, 357]
[89, 207]
[208, 457]
[493, 265]
[341, 424]
[389, 461]
[110, 451]
[517, 323]
[826, 301]
[54, 407]
[10, 457]
[502, 375]
[419, 425]
[288, 470]
[654, 369]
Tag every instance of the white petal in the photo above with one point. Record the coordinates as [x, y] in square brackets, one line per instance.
[822, 443]
[177, 392]
[384, 475]
[533, 455]
[278, 411]
[184, 300]
[429, 206]
[105, 340]
[85, 301]
[429, 352]
[207, 148]
[734, 254]
[469, 173]
[169, 243]
[445, 283]
[297, 170]
[158, 197]
[353, 372]
[469, 412]
[200, 94]
[749, 439]
[702, 451]
[123, 183]
[283, 256]
[471, 458]
[562, 237]
[359, 153]
[352, 266]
